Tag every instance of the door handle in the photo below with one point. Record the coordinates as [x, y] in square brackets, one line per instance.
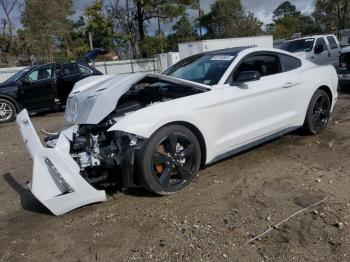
[288, 85]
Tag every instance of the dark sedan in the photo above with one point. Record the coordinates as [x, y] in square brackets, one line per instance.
[40, 87]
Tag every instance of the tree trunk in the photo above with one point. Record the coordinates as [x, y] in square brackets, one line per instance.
[140, 25]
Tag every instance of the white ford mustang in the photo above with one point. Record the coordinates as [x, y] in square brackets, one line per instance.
[156, 131]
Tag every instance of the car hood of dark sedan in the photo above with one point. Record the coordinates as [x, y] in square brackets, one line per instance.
[7, 84]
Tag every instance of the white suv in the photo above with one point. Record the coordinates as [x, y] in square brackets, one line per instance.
[319, 49]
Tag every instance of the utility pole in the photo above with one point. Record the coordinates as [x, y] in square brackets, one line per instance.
[159, 32]
[90, 40]
[199, 17]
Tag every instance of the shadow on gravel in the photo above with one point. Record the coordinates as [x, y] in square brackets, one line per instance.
[135, 192]
[28, 201]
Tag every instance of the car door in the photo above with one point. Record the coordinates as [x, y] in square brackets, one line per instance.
[68, 75]
[37, 88]
[334, 50]
[259, 108]
[324, 57]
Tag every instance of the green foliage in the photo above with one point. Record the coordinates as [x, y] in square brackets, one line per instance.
[184, 30]
[152, 45]
[286, 9]
[122, 16]
[227, 18]
[99, 25]
[46, 26]
[287, 20]
[50, 34]
[166, 10]
[332, 15]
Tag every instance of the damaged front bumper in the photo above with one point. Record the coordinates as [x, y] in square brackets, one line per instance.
[56, 181]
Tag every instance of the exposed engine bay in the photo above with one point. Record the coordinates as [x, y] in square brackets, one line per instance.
[101, 155]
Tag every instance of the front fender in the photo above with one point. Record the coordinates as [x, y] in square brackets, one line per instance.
[145, 125]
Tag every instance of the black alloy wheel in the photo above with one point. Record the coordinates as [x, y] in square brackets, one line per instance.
[318, 114]
[321, 112]
[170, 160]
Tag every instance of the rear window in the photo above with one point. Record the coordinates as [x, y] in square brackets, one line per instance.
[69, 70]
[332, 42]
[84, 70]
[289, 63]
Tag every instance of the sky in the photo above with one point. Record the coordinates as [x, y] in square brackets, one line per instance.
[261, 8]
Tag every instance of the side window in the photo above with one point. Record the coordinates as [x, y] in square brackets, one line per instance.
[332, 42]
[42, 73]
[321, 41]
[84, 70]
[265, 64]
[69, 70]
[289, 63]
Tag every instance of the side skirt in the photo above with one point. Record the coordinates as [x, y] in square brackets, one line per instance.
[254, 144]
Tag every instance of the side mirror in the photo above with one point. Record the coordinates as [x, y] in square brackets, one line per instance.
[247, 76]
[26, 81]
[318, 49]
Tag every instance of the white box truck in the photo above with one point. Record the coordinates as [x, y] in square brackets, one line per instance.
[192, 48]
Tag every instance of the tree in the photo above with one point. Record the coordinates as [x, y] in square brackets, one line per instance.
[184, 30]
[227, 18]
[286, 9]
[46, 26]
[146, 10]
[122, 16]
[332, 15]
[287, 20]
[99, 25]
[8, 26]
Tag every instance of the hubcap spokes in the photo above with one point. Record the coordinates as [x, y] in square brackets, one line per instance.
[321, 112]
[173, 160]
[5, 111]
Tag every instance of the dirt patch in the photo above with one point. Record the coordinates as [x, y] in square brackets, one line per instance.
[227, 204]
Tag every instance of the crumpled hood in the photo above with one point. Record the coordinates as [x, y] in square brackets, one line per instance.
[95, 97]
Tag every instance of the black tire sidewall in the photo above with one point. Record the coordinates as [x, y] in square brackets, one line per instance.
[144, 158]
[309, 125]
[9, 103]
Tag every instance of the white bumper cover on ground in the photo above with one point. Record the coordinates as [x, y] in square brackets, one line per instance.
[56, 182]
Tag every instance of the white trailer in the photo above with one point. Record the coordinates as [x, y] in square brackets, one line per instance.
[168, 59]
[192, 48]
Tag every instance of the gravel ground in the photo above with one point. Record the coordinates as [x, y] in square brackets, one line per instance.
[228, 203]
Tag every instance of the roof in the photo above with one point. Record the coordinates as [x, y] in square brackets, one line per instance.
[308, 36]
[228, 51]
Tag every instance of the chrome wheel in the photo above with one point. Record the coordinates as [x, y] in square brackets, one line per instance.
[6, 111]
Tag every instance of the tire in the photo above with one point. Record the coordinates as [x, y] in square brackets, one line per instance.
[169, 160]
[7, 111]
[318, 113]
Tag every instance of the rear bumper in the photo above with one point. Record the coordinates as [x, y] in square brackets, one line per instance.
[56, 180]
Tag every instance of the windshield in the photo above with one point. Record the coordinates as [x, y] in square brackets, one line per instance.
[17, 76]
[203, 68]
[301, 45]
